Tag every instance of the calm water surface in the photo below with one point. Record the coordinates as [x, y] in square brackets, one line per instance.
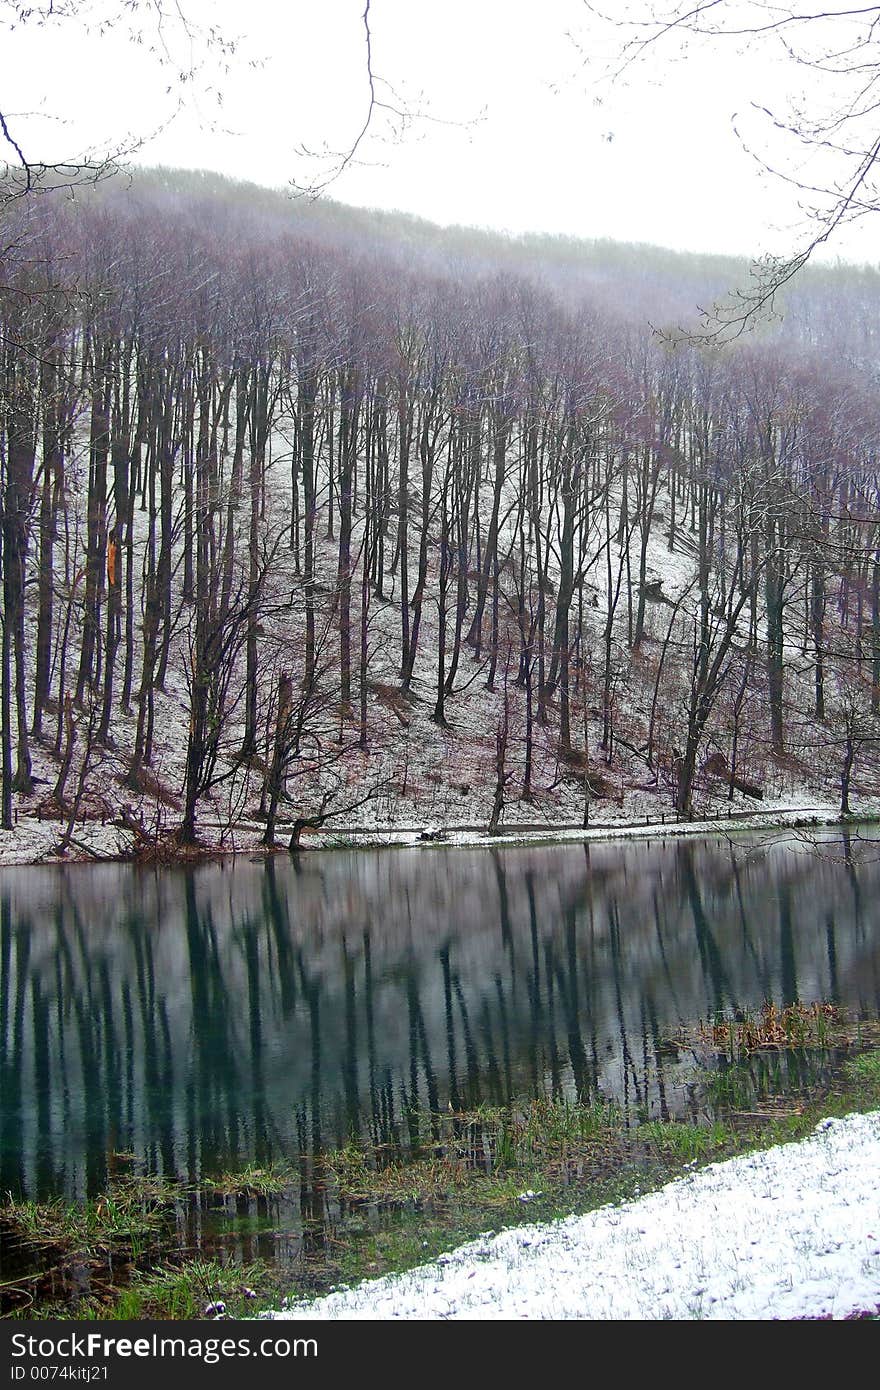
[251, 1011]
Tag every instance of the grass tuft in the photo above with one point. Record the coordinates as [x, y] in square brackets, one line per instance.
[254, 1180]
[864, 1068]
[686, 1143]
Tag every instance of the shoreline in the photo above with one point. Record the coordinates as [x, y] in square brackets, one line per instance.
[29, 844]
[774, 1233]
[465, 837]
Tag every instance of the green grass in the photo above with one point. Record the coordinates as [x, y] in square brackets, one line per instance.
[130, 1209]
[187, 1290]
[865, 1068]
[687, 1143]
[181, 1291]
[731, 1088]
[493, 1149]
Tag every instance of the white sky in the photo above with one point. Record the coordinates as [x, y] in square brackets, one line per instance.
[518, 138]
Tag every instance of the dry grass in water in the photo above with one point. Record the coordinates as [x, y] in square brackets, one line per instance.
[773, 1029]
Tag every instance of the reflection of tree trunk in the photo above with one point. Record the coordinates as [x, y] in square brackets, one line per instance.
[833, 992]
[630, 1071]
[765, 978]
[93, 1098]
[369, 1010]
[255, 1029]
[550, 1030]
[491, 1070]
[451, 1058]
[351, 1049]
[276, 916]
[533, 984]
[710, 956]
[576, 1051]
[787, 959]
[12, 1044]
[418, 1046]
[42, 1025]
[473, 1069]
[657, 1040]
[316, 1090]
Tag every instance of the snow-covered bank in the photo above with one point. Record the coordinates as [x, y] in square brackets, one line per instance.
[32, 841]
[790, 1232]
[660, 827]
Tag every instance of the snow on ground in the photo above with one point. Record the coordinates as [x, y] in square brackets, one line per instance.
[425, 772]
[33, 840]
[790, 1232]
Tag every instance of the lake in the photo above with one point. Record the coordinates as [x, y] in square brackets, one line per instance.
[189, 1021]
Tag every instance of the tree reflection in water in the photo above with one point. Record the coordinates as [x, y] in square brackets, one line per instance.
[251, 1012]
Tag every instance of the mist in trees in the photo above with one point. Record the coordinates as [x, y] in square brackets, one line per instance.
[286, 493]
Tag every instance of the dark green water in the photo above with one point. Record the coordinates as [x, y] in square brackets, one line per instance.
[251, 1011]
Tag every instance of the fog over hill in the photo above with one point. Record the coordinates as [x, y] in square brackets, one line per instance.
[636, 280]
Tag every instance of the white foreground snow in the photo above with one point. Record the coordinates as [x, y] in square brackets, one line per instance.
[790, 1232]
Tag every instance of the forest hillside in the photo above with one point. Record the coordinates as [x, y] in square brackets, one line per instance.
[316, 518]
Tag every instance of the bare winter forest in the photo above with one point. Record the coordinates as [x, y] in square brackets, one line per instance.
[316, 517]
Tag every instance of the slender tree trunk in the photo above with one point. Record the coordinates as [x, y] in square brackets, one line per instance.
[96, 540]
